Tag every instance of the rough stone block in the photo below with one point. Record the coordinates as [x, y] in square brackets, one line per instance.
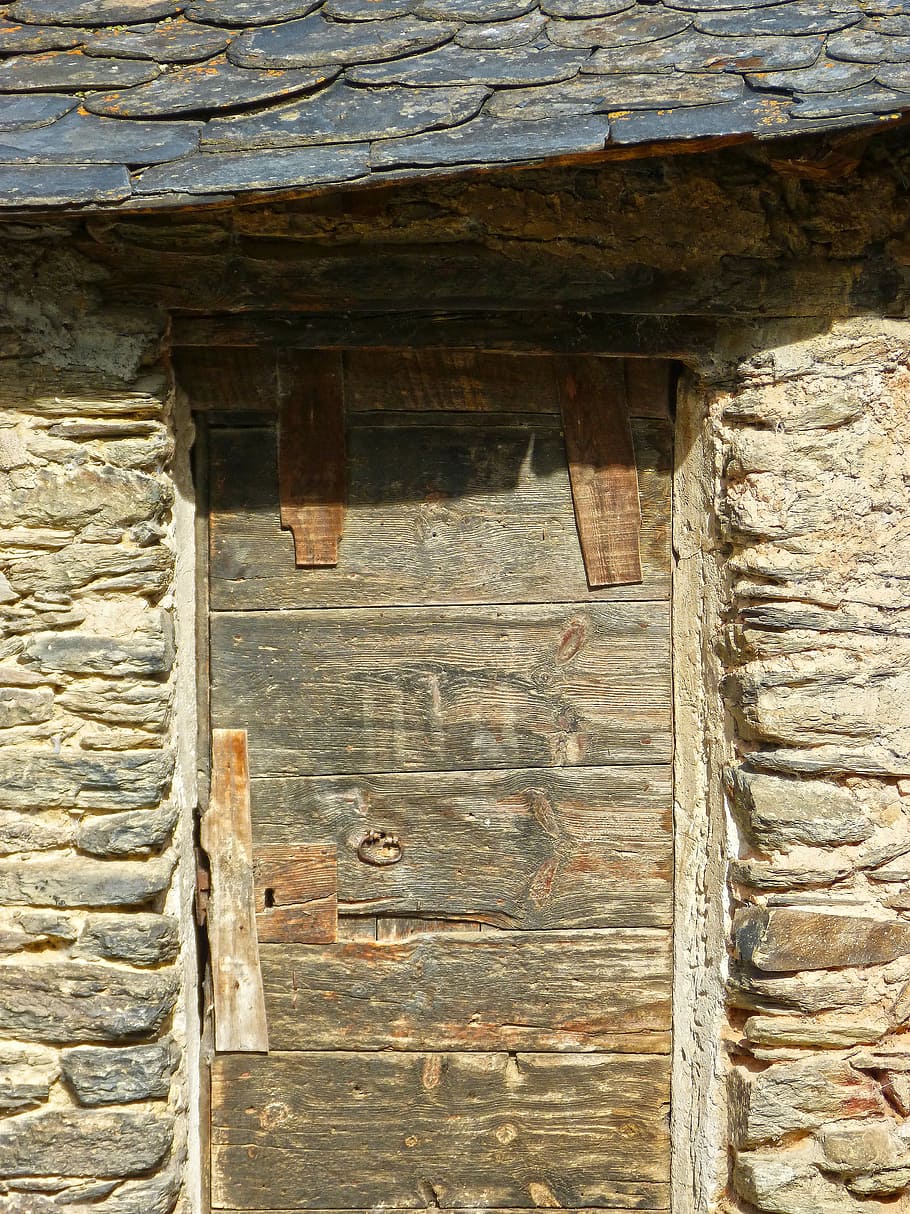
[886, 1183]
[33, 832]
[77, 496]
[789, 1182]
[79, 1002]
[35, 778]
[65, 1142]
[100, 1075]
[26, 1075]
[816, 1033]
[780, 813]
[803, 1095]
[851, 1148]
[25, 705]
[76, 881]
[134, 833]
[32, 388]
[142, 570]
[148, 653]
[120, 703]
[784, 939]
[808, 992]
[139, 938]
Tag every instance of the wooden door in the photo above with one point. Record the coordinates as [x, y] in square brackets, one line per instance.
[481, 1020]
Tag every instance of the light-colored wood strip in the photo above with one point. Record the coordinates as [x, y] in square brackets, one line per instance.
[312, 472]
[470, 380]
[648, 387]
[240, 1021]
[571, 848]
[443, 689]
[601, 469]
[606, 991]
[296, 893]
[436, 514]
[241, 378]
[474, 1131]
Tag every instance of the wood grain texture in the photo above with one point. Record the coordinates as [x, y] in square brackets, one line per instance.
[295, 889]
[607, 991]
[464, 1130]
[240, 1023]
[537, 849]
[441, 509]
[233, 378]
[601, 469]
[413, 689]
[648, 387]
[389, 1210]
[312, 465]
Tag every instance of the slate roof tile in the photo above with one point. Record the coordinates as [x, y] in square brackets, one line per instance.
[343, 114]
[212, 172]
[305, 94]
[213, 85]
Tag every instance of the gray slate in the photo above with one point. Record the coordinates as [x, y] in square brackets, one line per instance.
[456, 65]
[177, 41]
[101, 1075]
[798, 17]
[626, 29]
[700, 122]
[75, 1142]
[870, 99]
[867, 46]
[895, 76]
[585, 8]
[314, 41]
[214, 172]
[495, 142]
[593, 94]
[707, 6]
[138, 937]
[20, 39]
[473, 10]
[215, 85]
[500, 35]
[696, 52]
[93, 12]
[136, 833]
[342, 114]
[90, 140]
[248, 12]
[824, 76]
[29, 185]
[367, 10]
[18, 113]
[71, 70]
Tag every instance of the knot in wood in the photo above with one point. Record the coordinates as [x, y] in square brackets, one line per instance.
[380, 848]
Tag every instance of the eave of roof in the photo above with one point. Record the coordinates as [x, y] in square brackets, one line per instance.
[150, 103]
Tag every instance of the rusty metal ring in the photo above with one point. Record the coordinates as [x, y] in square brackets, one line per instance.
[380, 848]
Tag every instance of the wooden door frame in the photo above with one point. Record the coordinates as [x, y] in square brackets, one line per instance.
[697, 1146]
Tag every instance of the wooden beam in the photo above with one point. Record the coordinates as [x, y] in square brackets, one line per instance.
[218, 378]
[312, 473]
[296, 893]
[240, 1023]
[602, 469]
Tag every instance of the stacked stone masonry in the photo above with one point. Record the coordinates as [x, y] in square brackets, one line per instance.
[91, 1059]
[813, 461]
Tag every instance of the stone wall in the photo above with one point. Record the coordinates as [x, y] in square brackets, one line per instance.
[812, 468]
[93, 998]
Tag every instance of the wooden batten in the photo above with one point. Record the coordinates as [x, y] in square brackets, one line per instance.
[312, 474]
[602, 469]
[240, 1021]
[296, 894]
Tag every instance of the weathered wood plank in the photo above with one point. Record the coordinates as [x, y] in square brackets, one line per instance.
[233, 378]
[240, 1023]
[312, 465]
[439, 511]
[570, 848]
[561, 991]
[471, 380]
[388, 1210]
[464, 1130]
[601, 469]
[296, 892]
[412, 689]
[648, 387]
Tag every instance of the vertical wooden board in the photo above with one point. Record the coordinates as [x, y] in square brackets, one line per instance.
[469, 380]
[526, 850]
[602, 469]
[444, 689]
[312, 468]
[606, 991]
[240, 1022]
[228, 378]
[397, 1130]
[648, 387]
[440, 510]
[296, 892]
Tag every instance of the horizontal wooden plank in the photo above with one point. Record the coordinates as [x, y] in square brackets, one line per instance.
[439, 511]
[571, 848]
[606, 991]
[296, 888]
[352, 1131]
[388, 1210]
[238, 378]
[448, 689]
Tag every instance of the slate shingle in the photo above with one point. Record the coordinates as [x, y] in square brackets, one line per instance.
[28, 39]
[623, 30]
[29, 185]
[869, 46]
[488, 141]
[59, 70]
[79, 138]
[501, 35]
[248, 12]
[599, 94]
[34, 109]
[207, 173]
[92, 12]
[177, 41]
[314, 41]
[796, 17]
[534, 64]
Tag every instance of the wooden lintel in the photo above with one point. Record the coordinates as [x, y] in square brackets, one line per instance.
[232, 378]
[602, 470]
[296, 893]
[240, 1021]
[312, 473]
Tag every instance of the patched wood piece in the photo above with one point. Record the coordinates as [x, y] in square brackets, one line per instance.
[295, 889]
[602, 470]
[480, 1130]
[468, 508]
[314, 42]
[527, 850]
[240, 1023]
[312, 461]
[493, 991]
[446, 688]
